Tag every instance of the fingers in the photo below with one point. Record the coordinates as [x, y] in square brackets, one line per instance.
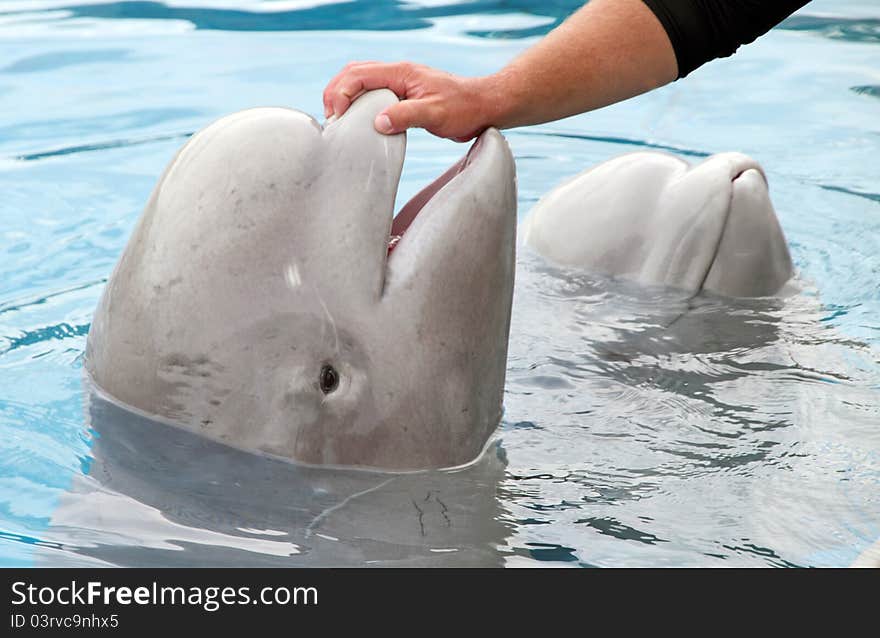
[343, 96]
[330, 89]
[426, 98]
[357, 78]
[407, 114]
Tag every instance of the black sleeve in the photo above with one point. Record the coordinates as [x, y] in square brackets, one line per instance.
[702, 30]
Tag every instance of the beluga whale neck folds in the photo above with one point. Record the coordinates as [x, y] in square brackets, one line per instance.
[655, 219]
[259, 302]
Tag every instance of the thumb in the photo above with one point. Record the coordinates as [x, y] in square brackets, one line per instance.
[403, 115]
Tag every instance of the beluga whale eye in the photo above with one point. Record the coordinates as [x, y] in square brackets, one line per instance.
[329, 379]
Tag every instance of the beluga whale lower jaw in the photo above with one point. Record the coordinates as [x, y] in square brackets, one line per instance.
[655, 219]
[259, 301]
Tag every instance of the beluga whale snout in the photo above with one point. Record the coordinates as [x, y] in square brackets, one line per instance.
[655, 219]
[267, 300]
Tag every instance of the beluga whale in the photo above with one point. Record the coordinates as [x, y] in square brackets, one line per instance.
[268, 299]
[653, 218]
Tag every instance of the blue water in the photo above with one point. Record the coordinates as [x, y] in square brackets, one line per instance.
[641, 427]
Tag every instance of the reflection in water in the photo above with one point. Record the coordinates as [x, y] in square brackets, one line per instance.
[697, 429]
[158, 495]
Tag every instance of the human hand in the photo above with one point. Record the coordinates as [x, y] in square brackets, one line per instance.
[444, 104]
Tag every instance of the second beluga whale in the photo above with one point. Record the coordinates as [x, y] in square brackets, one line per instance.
[259, 303]
[655, 219]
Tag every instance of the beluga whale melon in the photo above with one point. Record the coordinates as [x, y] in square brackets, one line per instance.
[258, 303]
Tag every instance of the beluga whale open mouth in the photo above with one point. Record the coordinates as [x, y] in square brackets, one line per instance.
[409, 212]
[269, 299]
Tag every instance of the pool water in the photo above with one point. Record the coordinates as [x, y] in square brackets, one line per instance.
[641, 427]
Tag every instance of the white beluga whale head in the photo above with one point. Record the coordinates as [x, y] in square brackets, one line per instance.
[653, 218]
[259, 301]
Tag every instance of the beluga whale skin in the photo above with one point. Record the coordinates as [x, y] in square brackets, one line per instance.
[259, 302]
[655, 219]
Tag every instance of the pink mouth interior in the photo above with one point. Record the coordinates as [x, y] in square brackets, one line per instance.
[413, 207]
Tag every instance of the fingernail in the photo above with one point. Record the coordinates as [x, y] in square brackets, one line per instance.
[383, 123]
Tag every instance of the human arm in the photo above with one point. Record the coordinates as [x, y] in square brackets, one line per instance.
[607, 51]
